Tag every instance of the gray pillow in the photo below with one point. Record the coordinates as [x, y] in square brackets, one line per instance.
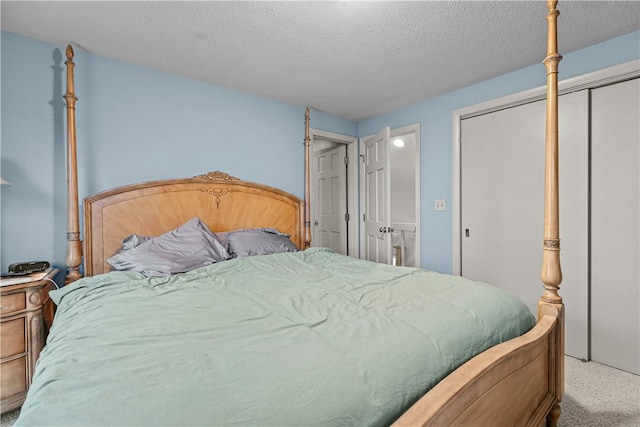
[133, 241]
[257, 241]
[223, 236]
[190, 246]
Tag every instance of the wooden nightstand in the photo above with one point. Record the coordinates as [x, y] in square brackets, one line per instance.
[26, 316]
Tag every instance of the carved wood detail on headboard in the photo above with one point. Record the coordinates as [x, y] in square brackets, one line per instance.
[217, 176]
[218, 193]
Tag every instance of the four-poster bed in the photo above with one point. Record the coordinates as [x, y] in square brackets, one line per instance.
[515, 377]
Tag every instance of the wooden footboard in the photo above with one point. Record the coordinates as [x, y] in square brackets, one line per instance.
[516, 383]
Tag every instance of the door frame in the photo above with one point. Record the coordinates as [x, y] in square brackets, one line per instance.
[353, 228]
[415, 128]
[604, 77]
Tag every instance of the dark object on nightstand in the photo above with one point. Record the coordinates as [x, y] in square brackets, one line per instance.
[26, 315]
[28, 267]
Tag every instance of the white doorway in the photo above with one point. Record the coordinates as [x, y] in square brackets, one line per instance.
[334, 192]
[404, 151]
[390, 196]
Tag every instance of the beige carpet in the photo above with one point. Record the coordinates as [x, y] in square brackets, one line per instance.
[595, 396]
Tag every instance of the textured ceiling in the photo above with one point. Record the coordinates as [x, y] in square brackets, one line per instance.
[350, 59]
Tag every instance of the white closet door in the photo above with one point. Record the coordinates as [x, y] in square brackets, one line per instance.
[615, 242]
[502, 192]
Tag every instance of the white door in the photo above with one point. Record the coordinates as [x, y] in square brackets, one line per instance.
[502, 189]
[377, 209]
[615, 233]
[330, 222]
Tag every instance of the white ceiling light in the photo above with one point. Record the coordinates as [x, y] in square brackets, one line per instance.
[398, 143]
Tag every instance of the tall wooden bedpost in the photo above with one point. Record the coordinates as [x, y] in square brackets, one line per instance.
[307, 181]
[551, 273]
[74, 244]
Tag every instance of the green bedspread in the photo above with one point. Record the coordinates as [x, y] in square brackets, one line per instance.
[296, 339]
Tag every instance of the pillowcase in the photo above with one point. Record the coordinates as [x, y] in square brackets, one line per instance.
[190, 246]
[223, 236]
[134, 240]
[257, 241]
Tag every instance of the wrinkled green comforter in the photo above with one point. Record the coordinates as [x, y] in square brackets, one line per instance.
[299, 339]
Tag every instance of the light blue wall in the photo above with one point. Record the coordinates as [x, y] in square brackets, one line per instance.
[133, 124]
[434, 116]
[136, 124]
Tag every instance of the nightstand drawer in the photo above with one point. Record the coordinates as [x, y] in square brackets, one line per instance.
[13, 339]
[14, 377]
[27, 313]
[12, 303]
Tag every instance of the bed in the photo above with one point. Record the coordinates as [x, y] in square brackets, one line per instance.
[262, 329]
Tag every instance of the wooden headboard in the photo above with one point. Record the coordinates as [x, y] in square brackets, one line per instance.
[152, 208]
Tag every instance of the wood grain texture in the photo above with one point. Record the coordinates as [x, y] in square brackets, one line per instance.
[74, 244]
[307, 181]
[27, 312]
[511, 384]
[551, 272]
[155, 207]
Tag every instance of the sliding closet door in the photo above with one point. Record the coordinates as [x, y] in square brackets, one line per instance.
[502, 192]
[615, 275]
